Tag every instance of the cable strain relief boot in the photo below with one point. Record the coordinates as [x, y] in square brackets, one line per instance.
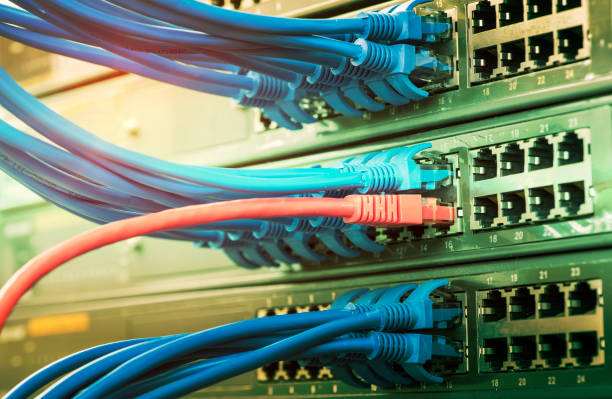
[395, 317]
[394, 347]
[347, 69]
[302, 225]
[386, 210]
[325, 76]
[252, 101]
[380, 27]
[327, 222]
[394, 59]
[267, 87]
[380, 178]
[271, 230]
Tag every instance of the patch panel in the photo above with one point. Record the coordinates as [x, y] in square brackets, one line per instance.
[556, 325]
[508, 37]
[515, 196]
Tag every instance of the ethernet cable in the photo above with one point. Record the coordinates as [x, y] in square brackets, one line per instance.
[369, 210]
[258, 341]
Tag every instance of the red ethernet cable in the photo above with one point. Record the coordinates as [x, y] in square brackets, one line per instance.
[375, 210]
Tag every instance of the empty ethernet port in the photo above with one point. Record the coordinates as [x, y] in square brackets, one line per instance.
[553, 349]
[485, 61]
[571, 197]
[495, 352]
[541, 201]
[582, 299]
[540, 155]
[485, 210]
[551, 302]
[571, 41]
[484, 165]
[583, 346]
[512, 54]
[510, 12]
[541, 47]
[513, 206]
[493, 306]
[571, 149]
[538, 8]
[483, 17]
[523, 351]
[563, 5]
[512, 160]
[522, 304]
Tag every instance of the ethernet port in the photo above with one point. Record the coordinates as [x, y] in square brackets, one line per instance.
[512, 54]
[523, 351]
[291, 368]
[563, 5]
[541, 201]
[538, 8]
[485, 210]
[522, 304]
[483, 17]
[541, 47]
[571, 149]
[485, 61]
[571, 41]
[513, 206]
[571, 197]
[484, 165]
[493, 306]
[583, 346]
[510, 12]
[582, 299]
[551, 302]
[512, 160]
[495, 352]
[540, 155]
[553, 348]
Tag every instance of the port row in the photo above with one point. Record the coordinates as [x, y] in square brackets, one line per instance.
[531, 53]
[487, 15]
[530, 205]
[525, 352]
[538, 153]
[547, 301]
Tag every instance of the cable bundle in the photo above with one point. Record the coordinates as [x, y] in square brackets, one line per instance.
[103, 183]
[260, 61]
[363, 337]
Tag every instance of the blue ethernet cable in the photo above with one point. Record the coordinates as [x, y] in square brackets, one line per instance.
[49, 373]
[286, 348]
[216, 336]
[78, 140]
[102, 57]
[152, 60]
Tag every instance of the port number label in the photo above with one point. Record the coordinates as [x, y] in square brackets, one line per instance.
[522, 382]
[490, 280]
[518, 235]
[515, 133]
[544, 128]
[575, 272]
[543, 274]
[581, 379]
[541, 80]
[449, 245]
[486, 91]
[569, 74]
[552, 380]
[493, 238]
[572, 122]
[495, 383]
[512, 85]
[514, 277]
